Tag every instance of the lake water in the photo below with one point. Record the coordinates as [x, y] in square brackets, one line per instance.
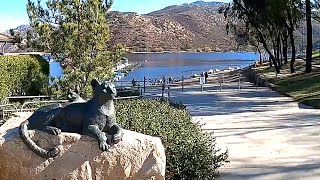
[55, 69]
[177, 65]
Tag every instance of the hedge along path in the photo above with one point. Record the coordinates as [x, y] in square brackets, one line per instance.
[268, 136]
[23, 74]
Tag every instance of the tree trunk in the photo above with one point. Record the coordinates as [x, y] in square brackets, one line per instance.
[279, 51]
[285, 49]
[274, 49]
[272, 59]
[291, 36]
[265, 46]
[309, 37]
[293, 51]
[276, 55]
[260, 55]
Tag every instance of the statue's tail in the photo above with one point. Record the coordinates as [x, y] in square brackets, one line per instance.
[24, 134]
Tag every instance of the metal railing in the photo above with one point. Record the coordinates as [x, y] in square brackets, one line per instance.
[30, 106]
[7, 110]
[220, 81]
[34, 105]
[22, 98]
[150, 84]
[162, 87]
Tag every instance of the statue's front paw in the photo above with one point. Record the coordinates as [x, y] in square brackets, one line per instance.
[116, 139]
[56, 132]
[53, 130]
[104, 146]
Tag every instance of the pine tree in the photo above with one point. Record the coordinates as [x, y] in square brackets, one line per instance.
[75, 33]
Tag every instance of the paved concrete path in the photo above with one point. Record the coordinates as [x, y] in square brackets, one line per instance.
[268, 135]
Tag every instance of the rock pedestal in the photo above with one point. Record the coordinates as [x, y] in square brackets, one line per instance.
[138, 156]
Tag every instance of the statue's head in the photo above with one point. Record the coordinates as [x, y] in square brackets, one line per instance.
[73, 96]
[104, 89]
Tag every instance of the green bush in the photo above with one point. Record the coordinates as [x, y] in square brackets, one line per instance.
[23, 75]
[190, 153]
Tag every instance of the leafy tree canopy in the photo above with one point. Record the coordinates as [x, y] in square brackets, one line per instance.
[75, 33]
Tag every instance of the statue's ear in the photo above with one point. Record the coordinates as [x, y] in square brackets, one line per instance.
[94, 83]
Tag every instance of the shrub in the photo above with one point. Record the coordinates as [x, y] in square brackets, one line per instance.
[23, 74]
[190, 153]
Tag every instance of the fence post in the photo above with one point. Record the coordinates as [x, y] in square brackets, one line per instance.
[239, 81]
[182, 83]
[220, 81]
[256, 82]
[144, 84]
[168, 93]
[2, 109]
[162, 91]
[222, 77]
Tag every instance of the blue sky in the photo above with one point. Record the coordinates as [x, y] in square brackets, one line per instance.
[13, 12]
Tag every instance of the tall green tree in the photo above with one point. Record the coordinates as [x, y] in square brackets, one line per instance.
[75, 33]
[316, 13]
[258, 18]
[309, 38]
[17, 36]
[293, 16]
[271, 23]
[287, 14]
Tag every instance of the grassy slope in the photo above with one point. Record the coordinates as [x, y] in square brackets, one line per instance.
[304, 88]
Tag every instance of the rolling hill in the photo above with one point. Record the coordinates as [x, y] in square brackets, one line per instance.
[188, 27]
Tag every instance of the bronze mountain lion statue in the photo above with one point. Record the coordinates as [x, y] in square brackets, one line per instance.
[94, 118]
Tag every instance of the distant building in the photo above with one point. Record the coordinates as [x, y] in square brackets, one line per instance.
[4, 39]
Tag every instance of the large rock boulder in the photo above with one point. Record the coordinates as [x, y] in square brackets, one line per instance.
[138, 156]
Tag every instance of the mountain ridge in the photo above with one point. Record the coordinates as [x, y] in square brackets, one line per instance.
[195, 26]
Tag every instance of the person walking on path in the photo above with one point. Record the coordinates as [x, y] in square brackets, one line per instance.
[206, 77]
[134, 83]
